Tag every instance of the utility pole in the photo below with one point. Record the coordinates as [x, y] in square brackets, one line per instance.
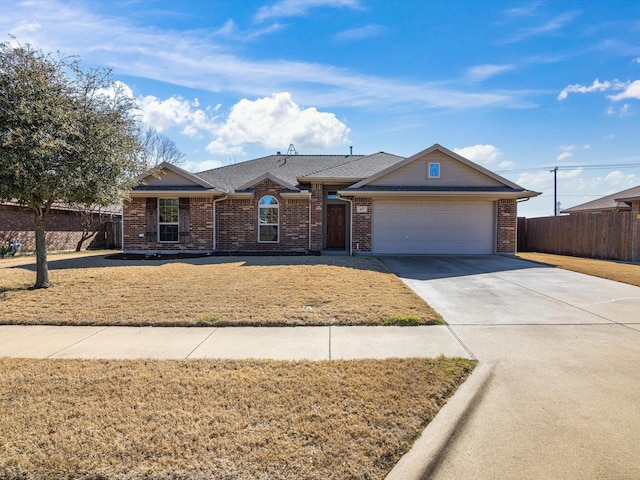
[555, 191]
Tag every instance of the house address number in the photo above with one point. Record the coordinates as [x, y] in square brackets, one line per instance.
[362, 209]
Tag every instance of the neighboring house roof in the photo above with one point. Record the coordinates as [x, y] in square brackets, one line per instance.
[609, 203]
[115, 209]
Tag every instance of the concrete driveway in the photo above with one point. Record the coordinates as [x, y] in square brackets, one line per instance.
[564, 399]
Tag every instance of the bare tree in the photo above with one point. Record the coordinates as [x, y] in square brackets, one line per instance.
[91, 218]
[158, 148]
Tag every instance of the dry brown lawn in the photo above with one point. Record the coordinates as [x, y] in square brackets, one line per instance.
[90, 289]
[206, 419]
[618, 271]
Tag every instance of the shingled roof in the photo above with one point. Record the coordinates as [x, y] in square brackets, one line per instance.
[297, 169]
[616, 201]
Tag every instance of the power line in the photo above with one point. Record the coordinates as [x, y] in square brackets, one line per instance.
[602, 166]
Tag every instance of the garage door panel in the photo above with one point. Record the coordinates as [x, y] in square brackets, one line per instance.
[433, 227]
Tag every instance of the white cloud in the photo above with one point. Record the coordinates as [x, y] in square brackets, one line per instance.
[506, 164]
[623, 111]
[621, 181]
[596, 86]
[195, 167]
[176, 111]
[482, 72]
[360, 33]
[525, 11]
[632, 90]
[564, 155]
[553, 25]
[116, 87]
[482, 154]
[298, 8]
[276, 122]
[218, 147]
[629, 90]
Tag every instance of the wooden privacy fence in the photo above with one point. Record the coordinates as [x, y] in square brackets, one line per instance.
[612, 235]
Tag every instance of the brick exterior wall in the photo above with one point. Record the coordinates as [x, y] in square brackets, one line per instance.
[63, 230]
[506, 226]
[361, 228]
[199, 236]
[237, 222]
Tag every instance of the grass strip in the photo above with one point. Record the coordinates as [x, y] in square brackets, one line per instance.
[609, 269]
[206, 419]
[221, 291]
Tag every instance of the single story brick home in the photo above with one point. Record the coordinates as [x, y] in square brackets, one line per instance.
[434, 202]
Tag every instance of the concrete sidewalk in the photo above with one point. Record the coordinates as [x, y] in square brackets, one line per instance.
[277, 343]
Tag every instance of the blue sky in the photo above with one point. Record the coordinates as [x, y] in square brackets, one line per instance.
[517, 86]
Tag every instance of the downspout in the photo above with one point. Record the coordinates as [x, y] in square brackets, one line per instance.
[215, 224]
[350, 223]
[310, 207]
[122, 229]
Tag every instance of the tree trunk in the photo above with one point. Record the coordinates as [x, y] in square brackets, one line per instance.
[42, 269]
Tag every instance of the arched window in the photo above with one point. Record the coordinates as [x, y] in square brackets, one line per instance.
[268, 219]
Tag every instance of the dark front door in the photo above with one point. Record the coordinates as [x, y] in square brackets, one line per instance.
[336, 225]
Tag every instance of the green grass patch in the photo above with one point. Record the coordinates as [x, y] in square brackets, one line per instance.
[409, 321]
[207, 320]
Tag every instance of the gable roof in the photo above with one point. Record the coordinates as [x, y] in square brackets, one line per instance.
[267, 176]
[151, 181]
[616, 201]
[505, 186]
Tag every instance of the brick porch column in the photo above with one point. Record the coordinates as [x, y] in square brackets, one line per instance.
[506, 228]
[316, 217]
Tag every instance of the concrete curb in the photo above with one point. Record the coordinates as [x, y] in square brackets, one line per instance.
[428, 450]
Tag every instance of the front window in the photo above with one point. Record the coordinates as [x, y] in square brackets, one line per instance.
[268, 219]
[168, 215]
[434, 170]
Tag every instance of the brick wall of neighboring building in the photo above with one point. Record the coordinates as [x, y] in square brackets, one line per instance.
[361, 228]
[506, 226]
[140, 227]
[237, 222]
[63, 230]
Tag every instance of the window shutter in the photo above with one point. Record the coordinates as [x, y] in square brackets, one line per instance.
[152, 220]
[183, 220]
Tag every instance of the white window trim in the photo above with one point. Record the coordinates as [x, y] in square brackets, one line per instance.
[169, 223]
[429, 170]
[277, 206]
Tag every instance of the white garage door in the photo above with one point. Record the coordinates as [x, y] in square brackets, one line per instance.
[437, 227]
